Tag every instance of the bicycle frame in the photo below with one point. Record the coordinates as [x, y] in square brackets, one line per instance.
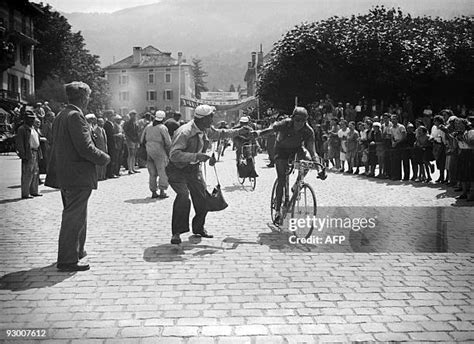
[303, 167]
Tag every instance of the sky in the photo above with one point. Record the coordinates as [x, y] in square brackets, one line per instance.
[108, 6]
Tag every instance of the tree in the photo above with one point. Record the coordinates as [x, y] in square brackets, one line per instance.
[231, 88]
[61, 57]
[380, 55]
[199, 74]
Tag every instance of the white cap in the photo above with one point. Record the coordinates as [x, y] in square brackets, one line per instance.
[244, 119]
[203, 111]
[90, 115]
[160, 115]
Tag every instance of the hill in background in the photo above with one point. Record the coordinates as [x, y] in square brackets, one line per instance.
[223, 33]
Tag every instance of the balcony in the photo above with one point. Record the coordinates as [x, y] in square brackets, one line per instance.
[10, 95]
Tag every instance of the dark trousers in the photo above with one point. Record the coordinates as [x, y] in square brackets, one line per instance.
[396, 164]
[388, 162]
[405, 156]
[30, 175]
[72, 235]
[187, 181]
[112, 166]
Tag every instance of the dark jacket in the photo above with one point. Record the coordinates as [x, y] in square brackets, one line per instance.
[73, 154]
[23, 143]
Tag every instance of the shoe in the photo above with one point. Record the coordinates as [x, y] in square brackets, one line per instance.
[112, 177]
[131, 172]
[203, 234]
[463, 196]
[37, 195]
[136, 171]
[406, 179]
[271, 165]
[413, 179]
[175, 239]
[428, 180]
[26, 197]
[356, 171]
[83, 255]
[73, 267]
[163, 195]
[371, 175]
[154, 195]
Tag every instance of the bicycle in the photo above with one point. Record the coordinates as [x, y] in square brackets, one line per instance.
[247, 155]
[302, 203]
[221, 146]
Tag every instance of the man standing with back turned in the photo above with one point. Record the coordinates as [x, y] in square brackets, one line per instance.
[73, 170]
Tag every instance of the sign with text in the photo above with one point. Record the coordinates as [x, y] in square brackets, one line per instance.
[220, 96]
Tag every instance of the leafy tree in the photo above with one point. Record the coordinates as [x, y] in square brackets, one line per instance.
[379, 55]
[199, 74]
[231, 88]
[61, 57]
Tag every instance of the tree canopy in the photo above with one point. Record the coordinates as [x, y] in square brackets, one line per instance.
[61, 57]
[199, 74]
[380, 55]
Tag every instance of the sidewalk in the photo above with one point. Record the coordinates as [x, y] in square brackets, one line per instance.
[410, 281]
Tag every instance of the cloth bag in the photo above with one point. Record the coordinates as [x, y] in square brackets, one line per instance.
[215, 200]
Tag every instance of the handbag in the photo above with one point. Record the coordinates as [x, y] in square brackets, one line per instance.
[215, 200]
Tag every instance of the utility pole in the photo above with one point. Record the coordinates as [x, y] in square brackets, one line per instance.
[180, 56]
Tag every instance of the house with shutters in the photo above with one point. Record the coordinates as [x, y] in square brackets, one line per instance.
[17, 41]
[150, 80]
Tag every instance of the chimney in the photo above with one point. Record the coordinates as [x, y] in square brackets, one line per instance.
[137, 55]
[254, 56]
[180, 57]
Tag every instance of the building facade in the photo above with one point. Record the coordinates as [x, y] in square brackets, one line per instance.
[150, 80]
[17, 81]
[253, 68]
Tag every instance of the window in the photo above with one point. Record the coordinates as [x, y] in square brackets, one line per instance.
[25, 55]
[168, 78]
[151, 95]
[12, 83]
[124, 96]
[123, 79]
[25, 88]
[168, 94]
[151, 78]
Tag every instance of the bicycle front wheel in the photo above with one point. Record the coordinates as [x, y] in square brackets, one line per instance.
[273, 201]
[304, 206]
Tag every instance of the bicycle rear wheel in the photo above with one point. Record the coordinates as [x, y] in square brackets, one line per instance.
[304, 206]
[253, 182]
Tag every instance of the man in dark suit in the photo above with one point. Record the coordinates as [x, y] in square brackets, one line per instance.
[73, 170]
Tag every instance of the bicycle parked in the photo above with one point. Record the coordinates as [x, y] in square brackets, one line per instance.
[301, 204]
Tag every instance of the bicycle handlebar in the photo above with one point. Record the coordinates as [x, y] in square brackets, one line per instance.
[311, 165]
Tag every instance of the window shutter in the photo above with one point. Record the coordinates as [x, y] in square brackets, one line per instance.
[164, 95]
[171, 94]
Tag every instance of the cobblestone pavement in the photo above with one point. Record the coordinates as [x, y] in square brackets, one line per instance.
[409, 279]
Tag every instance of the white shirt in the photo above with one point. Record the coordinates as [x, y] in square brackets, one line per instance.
[34, 139]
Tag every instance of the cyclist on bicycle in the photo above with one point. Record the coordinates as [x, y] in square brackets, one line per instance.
[245, 155]
[294, 138]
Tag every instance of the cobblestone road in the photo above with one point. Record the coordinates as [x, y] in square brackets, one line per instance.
[411, 279]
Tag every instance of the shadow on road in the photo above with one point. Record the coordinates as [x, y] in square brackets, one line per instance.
[143, 200]
[15, 187]
[177, 253]
[238, 187]
[36, 278]
[12, 200]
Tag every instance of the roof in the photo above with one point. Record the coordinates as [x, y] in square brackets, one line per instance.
[151, 57]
